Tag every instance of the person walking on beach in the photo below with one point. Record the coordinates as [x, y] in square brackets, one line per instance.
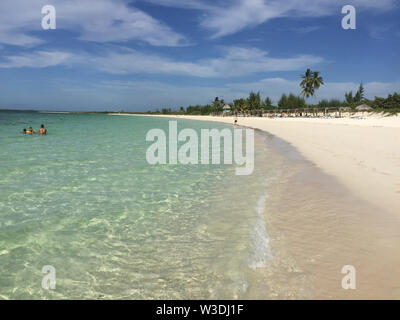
[42, 130]
[236, 120]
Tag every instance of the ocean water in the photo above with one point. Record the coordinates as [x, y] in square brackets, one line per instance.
[84, 200]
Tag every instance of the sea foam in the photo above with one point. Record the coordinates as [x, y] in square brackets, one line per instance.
[261, 251]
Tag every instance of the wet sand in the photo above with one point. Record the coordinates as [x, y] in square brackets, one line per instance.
[317, 226]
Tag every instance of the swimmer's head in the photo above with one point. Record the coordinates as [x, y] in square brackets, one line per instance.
[42, 126]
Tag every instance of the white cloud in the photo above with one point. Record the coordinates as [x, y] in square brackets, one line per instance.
[118, 21]
[223, 19]
[15, 38]
[92, 20]
[235, 62]
[135, 62]
[241, 61]
[381, 89]
[385, 31]
[185, 4]
[38, 59]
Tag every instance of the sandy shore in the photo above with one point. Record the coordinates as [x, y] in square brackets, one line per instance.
[364, 154]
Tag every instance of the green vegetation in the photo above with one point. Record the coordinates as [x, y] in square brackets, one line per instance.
[268, 103]
[359, 97]
[390, 105]
[254, 101]
[311, 82]
[240, 105]
[291, 102]
[332, 103]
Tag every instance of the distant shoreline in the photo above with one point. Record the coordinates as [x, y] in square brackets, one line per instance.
[378, 113]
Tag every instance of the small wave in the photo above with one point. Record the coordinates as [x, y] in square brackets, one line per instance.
[261, 252]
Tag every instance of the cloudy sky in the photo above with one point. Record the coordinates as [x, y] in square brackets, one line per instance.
[145, 54]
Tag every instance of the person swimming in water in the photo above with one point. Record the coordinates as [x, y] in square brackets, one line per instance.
[42, 130]
[31, 131]
[24, 131]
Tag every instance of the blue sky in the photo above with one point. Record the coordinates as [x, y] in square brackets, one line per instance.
[145, 54]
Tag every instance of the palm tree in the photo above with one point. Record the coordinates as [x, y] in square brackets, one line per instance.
[218, 104]
[254, 100]
[306, 84]
[311, 82]
[239, 104]
[317, 80]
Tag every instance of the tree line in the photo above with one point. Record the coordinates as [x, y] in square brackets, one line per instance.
[310, 83]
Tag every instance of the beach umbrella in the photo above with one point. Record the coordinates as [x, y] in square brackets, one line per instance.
[363, 107]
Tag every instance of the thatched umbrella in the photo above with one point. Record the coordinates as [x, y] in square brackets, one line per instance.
[226, 108]
[363, 107]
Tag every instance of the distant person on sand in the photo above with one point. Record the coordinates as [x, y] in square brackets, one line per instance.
[236, 120]
[42, 130]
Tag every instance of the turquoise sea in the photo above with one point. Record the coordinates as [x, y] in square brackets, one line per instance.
[84, 200]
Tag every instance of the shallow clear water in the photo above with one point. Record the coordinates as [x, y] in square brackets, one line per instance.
[84, 200]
